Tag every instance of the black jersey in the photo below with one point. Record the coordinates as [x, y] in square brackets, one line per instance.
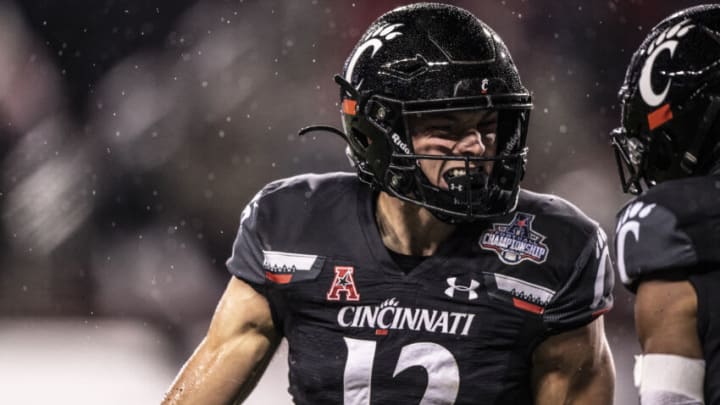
[459, 328]
[671, 231]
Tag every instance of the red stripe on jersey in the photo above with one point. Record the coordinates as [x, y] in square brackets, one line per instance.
[659, 116]
[381, 332]
[278, 278]
[526, 306]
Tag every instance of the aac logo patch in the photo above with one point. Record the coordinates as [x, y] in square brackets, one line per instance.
[516, 241]
[343, 283]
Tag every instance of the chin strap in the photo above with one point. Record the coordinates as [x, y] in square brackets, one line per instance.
[322, 128]
[349, 90]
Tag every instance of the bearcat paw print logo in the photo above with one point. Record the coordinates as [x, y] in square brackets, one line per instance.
[668, 40]
[678, 30]
[632, 213]
[391, 302]
[629, 223]
[386, 32]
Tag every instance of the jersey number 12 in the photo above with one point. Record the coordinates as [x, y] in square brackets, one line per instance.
[439, 364]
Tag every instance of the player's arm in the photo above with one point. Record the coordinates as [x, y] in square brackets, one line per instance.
[229, 360]
[574, 367]
[671, 368]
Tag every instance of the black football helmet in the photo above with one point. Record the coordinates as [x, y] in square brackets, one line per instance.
[428, 58]
[670, 102]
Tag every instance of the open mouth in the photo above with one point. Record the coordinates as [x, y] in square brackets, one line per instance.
[456, 172]
[459, 178]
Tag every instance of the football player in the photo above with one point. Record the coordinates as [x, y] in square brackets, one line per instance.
[668, 238]
[428, 276]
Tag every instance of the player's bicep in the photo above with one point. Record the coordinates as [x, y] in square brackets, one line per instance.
[241, 311]
[574, 367]
[666, 318]
[229, 360]
[671, 366]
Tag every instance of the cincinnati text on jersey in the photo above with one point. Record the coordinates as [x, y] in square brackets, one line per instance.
[390, 316]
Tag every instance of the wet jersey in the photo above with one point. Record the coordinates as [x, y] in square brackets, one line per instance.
[671, 231]
[459, 328]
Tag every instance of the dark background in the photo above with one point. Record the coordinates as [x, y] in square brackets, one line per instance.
[133, 133]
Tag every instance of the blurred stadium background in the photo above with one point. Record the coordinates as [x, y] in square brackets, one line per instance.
[132, 134]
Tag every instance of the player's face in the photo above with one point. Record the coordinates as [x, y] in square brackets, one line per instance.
[461, 133]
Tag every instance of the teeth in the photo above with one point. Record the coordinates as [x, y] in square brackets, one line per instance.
[457, 172]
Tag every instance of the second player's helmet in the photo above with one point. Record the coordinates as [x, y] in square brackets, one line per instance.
[428, 58]
[670, 102]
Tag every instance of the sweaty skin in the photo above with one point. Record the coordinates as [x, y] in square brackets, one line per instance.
[231, 358]
[666, 318]
[573, 367]
[469, 133]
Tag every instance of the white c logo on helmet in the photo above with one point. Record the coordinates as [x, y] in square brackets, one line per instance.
[386, 31]
[646, 91]
[666, 41]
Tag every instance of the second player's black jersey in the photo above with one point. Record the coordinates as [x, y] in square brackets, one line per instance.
[461, 327]
[674, 225]
[673, 231]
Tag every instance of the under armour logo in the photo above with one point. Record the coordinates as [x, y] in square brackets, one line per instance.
[457, 187]
[472, 295]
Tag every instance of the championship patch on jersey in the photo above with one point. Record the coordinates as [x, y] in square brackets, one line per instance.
[285, 267]
[516, 241]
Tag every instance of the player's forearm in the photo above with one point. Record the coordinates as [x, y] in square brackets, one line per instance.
[589, 381]
[597, 389]
[594, 383]
[219, 374]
